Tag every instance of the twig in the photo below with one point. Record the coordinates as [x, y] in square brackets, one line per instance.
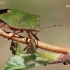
[42, 45]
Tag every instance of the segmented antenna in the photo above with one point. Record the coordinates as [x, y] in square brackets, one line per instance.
[52, 26]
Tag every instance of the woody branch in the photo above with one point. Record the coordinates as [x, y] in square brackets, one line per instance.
[40, 44]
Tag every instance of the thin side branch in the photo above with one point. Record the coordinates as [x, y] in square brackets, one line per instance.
[40, 44]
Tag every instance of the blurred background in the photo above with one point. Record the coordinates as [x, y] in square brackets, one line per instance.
[51, 12]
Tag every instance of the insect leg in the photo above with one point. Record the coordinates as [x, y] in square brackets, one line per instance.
[18, 32]
[12, 41]
[27, 36]
[15, 34]
[31, 45]
[34, 35]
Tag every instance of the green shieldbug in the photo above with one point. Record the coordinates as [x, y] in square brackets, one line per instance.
[20, 21]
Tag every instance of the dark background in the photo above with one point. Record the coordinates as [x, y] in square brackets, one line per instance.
[51, 12]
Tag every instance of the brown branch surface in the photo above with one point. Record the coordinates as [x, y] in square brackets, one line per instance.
[40, 44]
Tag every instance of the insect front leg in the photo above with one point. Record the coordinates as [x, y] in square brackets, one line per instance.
[12, 41]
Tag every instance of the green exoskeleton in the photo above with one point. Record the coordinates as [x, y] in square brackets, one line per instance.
[20, 21]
